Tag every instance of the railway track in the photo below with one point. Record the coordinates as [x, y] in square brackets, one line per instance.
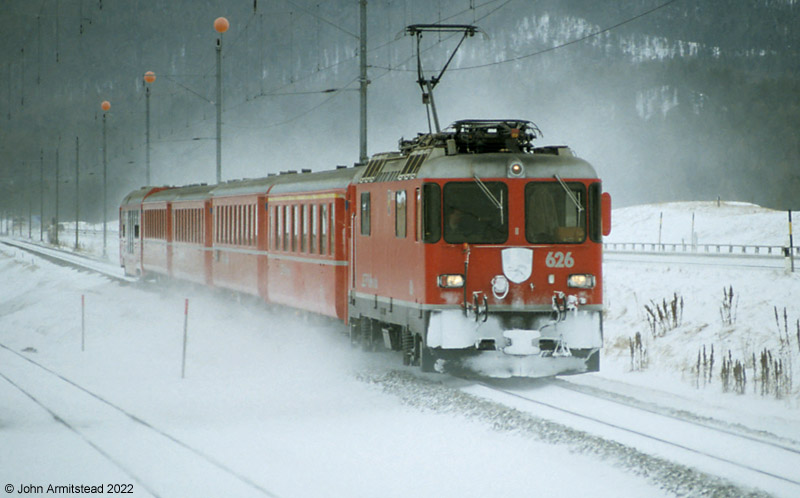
[141, 452]
[730, 453]
[70, 259]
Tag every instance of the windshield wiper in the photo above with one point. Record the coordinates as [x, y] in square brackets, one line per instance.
[488, 193]
[569, 193]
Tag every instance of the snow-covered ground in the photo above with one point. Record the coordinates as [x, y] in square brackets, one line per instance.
[672, 355]
[275, 403]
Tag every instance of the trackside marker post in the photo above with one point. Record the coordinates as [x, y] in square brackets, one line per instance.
[83, 322]
[185, 334]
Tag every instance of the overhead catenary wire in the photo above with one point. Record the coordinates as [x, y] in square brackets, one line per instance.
[591, 35]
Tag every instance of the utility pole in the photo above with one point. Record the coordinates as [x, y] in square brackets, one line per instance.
[57, 188]
[77, 188]
[791, 243]
[105, 198]
[221, 25]
[149, 77]
[147, 136]
[28, 190]
[219, 110]
[363, 158]
[41, 195]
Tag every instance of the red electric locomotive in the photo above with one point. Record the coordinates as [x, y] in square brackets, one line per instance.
[467, 250]
[474, 251]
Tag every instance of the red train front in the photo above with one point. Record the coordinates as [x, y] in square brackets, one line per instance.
[475, 251]
[467, 250]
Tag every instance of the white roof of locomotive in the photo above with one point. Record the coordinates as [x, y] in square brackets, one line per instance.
[495, 165]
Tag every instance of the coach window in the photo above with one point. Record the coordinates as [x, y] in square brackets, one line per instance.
[286, 227]
[365, 213]
[400, 214]
[254, 224]
[240, 224]
[247, 232]
[304, 227]
[323, 239]
[555, 213]
[278, 227]
[295, 226]
[313, 220]
[223, 211]
[243, 223]
[236, 224]
[232, 224]
[220, 223]
[220, 212]
[332, 245]
[431, 212]
[226, 223]
[250, 227]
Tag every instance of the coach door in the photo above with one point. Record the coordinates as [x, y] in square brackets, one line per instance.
[132, 230]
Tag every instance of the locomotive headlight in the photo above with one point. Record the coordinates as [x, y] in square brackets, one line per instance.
[451, 281]
[516, 169]
[581, 281]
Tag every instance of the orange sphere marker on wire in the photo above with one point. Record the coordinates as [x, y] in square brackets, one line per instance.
[149, 76]
[106, 105]
[221, 24]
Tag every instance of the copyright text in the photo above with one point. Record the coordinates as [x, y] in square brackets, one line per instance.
[68, 489]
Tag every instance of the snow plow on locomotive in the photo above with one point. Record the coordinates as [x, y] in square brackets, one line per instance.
[468, 250]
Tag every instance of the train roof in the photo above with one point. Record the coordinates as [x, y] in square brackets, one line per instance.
[138, 196]
[187, 193]
[287, 182]
[496, 165]
[482, 148]
[336, 179]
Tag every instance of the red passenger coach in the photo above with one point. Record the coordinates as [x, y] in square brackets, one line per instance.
[130, 229]
[191, 234]
[469, 250]
[238, 247]
[308, 241]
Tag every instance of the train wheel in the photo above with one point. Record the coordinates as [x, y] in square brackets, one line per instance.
[407, 345]
[370, 332]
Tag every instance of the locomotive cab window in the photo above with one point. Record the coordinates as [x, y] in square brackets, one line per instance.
[555, 214]
[365, 212]
[475, 212]
[400, 214]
